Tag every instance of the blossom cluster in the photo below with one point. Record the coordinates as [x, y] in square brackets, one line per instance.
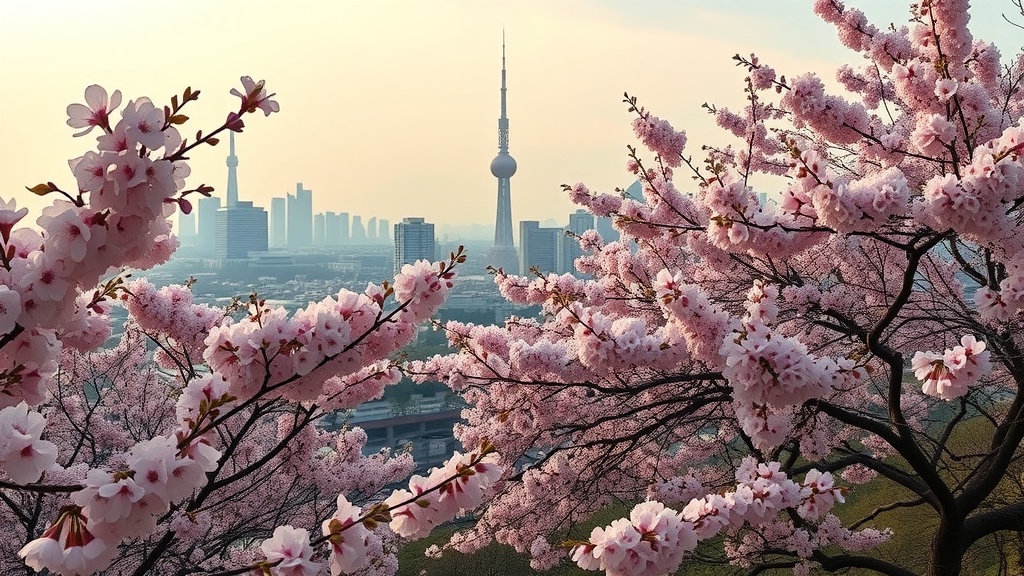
[456, 487]
[24, 455]
[170, 311]
[332, 338]
[651, 541]
[654, 539]
[999, 304]
[948, 375]
[126, 191]
[770, 372]
[658, 135]
[334, 352]
[115, 505]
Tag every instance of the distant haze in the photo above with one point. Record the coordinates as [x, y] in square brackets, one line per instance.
[389, 108]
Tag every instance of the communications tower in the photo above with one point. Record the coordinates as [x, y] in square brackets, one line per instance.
[503, 253]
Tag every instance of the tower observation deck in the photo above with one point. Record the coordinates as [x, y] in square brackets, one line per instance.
[503, 252]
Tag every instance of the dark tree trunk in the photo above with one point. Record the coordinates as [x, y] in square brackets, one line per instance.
[947, 548]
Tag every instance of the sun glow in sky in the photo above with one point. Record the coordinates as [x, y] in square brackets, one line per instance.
[389, 108]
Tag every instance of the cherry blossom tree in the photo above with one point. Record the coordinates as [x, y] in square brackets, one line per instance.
[741, 363]
[734, 369]
[190, 446]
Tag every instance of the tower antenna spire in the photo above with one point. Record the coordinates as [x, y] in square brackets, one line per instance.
[232, 162]
[503, 253]
[503, 121]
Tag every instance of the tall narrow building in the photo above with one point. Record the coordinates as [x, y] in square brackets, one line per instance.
[371, 230]
[538, 247]
[300, 218]
[579, 222]
[319, 229]
[278, 223]
[343, 228]
[358, 232]
[187, 228]
[206, 235]
[332, 229]
[503, 253]
[414, 240]
[241, 227]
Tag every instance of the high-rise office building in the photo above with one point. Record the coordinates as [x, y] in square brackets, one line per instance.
[241, 227]
[319, 229]
[604, 227]
[538, 247]
[278, 223]
[207, 234]
[503, 253]
[241, 230]
[343, 228]
[332, 230]
[187, 227]
[384, 231]
[579, 222]
[371, 230]
[300, 218]
[358, 232]
[414, 240]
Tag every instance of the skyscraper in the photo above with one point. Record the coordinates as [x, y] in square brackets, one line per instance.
[319, 229]
[358, 232]
[579, 222]
[187, 227]
[414, 240]
[332, 229]
[538, 247]
[278, 223]
[300, 218]
[371, 230]
[207, 236]
[384, 233]
[343, 228]
[503, 253]
[241, 227]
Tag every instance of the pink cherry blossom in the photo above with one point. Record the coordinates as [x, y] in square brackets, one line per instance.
[23, 454]
[253, 98]
[143, 123]
[290, 548]
[68, 233]
[945, 88]
[652, 541]
[347, 538]
[68, 547]
[948, 375]
[10, 309]
[95, 112]
[9, 217]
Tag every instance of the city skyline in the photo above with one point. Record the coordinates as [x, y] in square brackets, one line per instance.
[389, 113]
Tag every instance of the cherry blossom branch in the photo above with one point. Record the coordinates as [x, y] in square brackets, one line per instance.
[267, 388]
[378, 513]
[834, 563]
[41, 488]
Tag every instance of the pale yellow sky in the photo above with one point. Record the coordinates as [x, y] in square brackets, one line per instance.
[389, 108]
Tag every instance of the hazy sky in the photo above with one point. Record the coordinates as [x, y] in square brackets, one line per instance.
[389, 108]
